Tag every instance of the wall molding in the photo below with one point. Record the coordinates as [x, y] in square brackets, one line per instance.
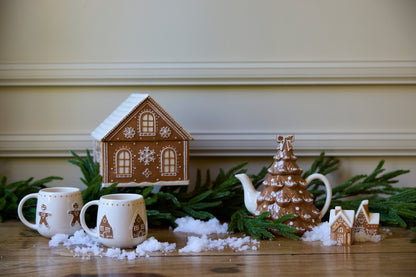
[217, 144]
[209, 73]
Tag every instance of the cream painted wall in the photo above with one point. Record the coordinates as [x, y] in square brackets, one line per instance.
[216, 30]
[218, 109]
[340, 75]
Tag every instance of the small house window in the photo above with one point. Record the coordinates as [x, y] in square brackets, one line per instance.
[147, 124]
[123, 163]
[168, 162]
[340, 230]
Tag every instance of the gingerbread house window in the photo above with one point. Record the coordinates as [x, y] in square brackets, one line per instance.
[168, 162]
[147, 124]
[123, 163]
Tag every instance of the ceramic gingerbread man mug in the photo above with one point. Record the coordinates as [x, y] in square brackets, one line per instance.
[57, 211]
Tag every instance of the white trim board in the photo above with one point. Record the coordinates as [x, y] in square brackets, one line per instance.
[209, 73]
[393, 143]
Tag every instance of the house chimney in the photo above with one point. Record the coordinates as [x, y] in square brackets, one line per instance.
[364, 203]
[337, 210]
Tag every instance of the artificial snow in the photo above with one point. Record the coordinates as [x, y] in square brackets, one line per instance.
[153, 245]
[58, 239]
[83, 245]
[190, 225]
[199, 244]
[87, 246]
[203, 243]
[321, 232]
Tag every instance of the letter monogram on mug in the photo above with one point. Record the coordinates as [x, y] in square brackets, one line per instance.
[57, 211]
[121, 220]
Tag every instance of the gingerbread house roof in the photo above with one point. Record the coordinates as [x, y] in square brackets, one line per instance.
[347, 216]
[125, 109]
[372, 218]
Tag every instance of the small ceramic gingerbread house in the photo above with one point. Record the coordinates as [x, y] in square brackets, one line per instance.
[366, 222]
[140, 144]
[341, 223]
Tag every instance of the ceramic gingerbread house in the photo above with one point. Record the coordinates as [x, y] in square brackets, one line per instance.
[140, 144]
[341, 223]
[366, 222]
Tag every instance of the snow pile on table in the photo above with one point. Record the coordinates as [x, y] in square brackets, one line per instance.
[321, 232]
[153, 245]
[85, 246]
[212, 226]
[199, 244]
[190, 225]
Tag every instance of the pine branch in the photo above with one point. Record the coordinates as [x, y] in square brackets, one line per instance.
[397, 210]
[11, 194]
[91, 177]
[260, 227]
[323, 165]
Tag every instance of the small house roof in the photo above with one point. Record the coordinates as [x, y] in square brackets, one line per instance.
[372, 218]
[347, 215]
[123, 111]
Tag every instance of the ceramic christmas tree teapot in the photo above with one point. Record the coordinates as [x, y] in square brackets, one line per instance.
[285, 191]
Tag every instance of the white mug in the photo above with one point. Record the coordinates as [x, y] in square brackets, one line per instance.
[121, 220]
[57, 211]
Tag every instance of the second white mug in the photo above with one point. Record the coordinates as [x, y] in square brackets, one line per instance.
[121, 220]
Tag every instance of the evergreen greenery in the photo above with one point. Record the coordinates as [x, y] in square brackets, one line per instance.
[92, 178]
[260, 227]
[222, 197]
[396, 205]
[11, 194]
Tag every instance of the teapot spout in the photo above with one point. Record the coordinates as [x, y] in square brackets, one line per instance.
[250, 193]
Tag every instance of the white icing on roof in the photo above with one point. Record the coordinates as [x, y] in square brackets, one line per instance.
[347, 215]
[125, 109]
[372, 218]
[118, 115]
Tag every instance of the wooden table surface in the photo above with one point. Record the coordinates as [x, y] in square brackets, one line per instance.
[23, 252]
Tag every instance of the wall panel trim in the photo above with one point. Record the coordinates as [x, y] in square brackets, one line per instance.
[209, 73]
[216, 144]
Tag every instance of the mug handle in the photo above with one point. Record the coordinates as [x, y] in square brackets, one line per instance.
[82, 218]
[328, 191]
[20, 211]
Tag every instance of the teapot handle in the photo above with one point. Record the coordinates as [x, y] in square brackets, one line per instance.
[328, 190]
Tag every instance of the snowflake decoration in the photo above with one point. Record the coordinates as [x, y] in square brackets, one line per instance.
[147, 173]
[165, 132]
[146, 156]
[129, 132]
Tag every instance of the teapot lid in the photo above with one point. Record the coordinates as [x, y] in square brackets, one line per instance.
[284, 160]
